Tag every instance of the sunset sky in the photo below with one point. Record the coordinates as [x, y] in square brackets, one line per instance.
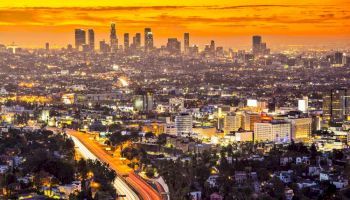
[31, 23]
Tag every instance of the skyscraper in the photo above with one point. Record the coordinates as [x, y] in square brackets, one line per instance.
[138, 40]
[173, 46]
[186, 42]
[126, 41]
[47, 46]
[148, 39]
[256, 44]
[336, 105]
[91, 35]
[80, 38]
[113, 38]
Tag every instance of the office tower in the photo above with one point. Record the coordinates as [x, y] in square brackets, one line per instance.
[336, 106]
[220, 51]
[126, 41]
[183, 124]
[91, 35]
[138, 40]
[338, 58]
[148, 40]
[256, 44]
[104, 47]
[232, 122]
[274, 131]
[212, 47]
[113, 38]
[186, 42]
[300, 129]
[47, 46]
[80, 38]
[173, 46]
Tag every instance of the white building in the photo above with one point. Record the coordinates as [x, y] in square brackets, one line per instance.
[275, 131]
[183, 123]
[303, 104]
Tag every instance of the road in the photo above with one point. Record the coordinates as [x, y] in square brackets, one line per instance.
[119, 184]
[145, 191]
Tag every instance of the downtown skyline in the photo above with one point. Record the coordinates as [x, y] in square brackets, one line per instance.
[32, 23]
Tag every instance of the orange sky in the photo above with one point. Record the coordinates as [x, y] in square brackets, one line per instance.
[230, 23]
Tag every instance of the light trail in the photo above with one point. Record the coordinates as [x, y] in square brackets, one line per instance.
[119, 184]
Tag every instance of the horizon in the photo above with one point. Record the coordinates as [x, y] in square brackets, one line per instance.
[33, 23]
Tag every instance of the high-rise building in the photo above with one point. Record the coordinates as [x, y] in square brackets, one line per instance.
[126, 41]
[47, 46]
[336, 106]
[91, 35]
[256, 44]
[138, 40]
[104, 47]
[232, 122]
[148, 39]
[80, 38]
[183, 124]
[303, 104]
[186, 42]
[274, 131]
[173, 46]
[338, 58]
[212, 47]
[113, 38]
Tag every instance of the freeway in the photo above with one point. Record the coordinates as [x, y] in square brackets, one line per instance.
[119, 184]
[145, 191]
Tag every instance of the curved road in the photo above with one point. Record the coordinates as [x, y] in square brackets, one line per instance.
[145, 191]
[119, 184]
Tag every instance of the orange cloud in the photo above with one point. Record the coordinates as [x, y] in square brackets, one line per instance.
[208, 20]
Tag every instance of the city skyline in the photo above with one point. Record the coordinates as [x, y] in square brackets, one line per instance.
[284, 23]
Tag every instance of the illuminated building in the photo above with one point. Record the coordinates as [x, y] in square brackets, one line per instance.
[249, 119]
[232, 122]
[300, 128]
[336, 106]
[274, 131]
[113, 39]
[303, 104]
[155, 128]
[176, 104]
[183, 124]
[80, 38]
[148, 40]
[143, 101]
[126, 41]
[91, 35]
[173, 46]
[68, 98]
[186, 42]
[244, 136]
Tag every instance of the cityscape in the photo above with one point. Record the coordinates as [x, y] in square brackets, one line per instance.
[130, 115]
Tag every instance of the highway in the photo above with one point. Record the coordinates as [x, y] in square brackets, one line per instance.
[145, 191]
[119, 184]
